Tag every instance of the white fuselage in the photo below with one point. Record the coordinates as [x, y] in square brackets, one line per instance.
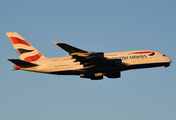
[138, 58]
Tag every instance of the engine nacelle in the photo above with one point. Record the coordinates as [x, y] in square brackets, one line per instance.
[96, 56]
[114, 63]
[96, 76]
[113, 75]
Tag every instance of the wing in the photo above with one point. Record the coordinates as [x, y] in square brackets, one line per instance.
[88, 59]
[91, 60]
[70, 49]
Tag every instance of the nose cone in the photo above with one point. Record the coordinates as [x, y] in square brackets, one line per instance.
[169, 60]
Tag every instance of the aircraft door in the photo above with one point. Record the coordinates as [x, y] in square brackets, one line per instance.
[156, 58]
[70, 65]
[51, 67]
[60, 60]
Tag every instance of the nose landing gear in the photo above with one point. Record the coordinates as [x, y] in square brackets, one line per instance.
[167, 65]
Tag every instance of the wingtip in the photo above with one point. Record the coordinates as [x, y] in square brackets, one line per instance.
[55, 43]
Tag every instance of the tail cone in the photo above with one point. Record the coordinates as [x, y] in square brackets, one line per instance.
[17, 67]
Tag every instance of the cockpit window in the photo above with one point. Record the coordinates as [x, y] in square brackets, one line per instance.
[164, 55]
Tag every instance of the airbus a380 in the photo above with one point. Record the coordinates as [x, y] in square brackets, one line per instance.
[92, 65]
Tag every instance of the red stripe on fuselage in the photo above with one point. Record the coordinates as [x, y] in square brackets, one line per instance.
[33, 58]
[143, 52]
[15, 40]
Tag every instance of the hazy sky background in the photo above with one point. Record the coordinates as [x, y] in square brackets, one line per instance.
[92, 25]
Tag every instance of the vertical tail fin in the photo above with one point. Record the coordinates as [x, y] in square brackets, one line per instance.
[25, 50]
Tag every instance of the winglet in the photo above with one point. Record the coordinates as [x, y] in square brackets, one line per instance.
[55, 43]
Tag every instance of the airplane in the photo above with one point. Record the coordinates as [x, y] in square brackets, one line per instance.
[91, 65]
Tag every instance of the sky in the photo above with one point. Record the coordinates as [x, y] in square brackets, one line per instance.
[92, 25]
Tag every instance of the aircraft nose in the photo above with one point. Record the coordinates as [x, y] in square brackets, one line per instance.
[169, 60]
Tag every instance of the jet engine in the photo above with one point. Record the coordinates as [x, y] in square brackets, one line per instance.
[96, 76]
[114, 63]
[96, 56]
[113, 75]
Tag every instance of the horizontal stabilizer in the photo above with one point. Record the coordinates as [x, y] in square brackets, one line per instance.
[22, 63]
